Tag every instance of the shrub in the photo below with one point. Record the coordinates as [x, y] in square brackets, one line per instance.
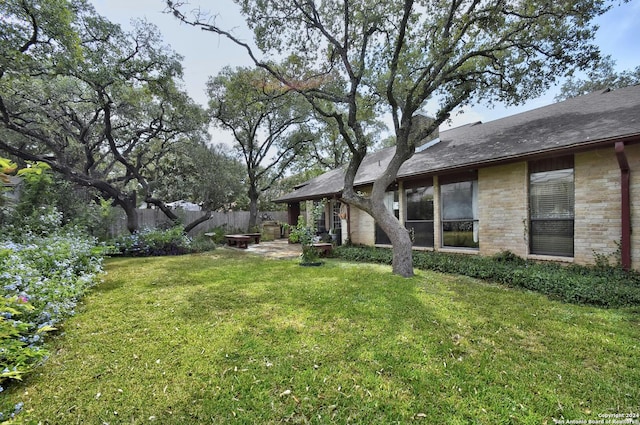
[601, 286]
[42, 279]
[217, 234]
[305, 234]
[203, 243]
[19, 340]
[153, 242]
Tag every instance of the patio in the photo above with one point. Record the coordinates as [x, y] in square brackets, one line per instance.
[279, 248]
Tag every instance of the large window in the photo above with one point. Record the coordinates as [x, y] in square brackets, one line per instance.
[336, 223]
[419, 219]
[460, 213]
[551, 206]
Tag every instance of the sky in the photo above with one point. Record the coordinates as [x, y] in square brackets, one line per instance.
[205, 54]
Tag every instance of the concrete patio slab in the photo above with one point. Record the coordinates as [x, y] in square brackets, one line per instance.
[279, 248]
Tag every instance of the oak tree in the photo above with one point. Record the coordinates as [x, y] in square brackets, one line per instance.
[602, 77]
[401, 57]
[269, 125]
[101, 106]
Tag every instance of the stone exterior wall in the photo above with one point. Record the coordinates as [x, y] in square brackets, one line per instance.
[598, 221]
[503, 209]
[362, 227]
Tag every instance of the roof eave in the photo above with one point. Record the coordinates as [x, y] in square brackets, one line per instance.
[308, 198]
[564, 150]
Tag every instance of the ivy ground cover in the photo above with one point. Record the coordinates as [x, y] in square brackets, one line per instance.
[226, 337]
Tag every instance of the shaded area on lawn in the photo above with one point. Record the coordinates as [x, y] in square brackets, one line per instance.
[603, 285]
[230, 337]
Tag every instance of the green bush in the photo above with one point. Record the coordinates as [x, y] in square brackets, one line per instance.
[203, 243]
[217, 234]
[18, 338]
[42, 278]
[43, 193]
[155, 242]
[600, 286]
[304, 233]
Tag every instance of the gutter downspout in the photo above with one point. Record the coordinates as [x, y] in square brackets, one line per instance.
[625, 171]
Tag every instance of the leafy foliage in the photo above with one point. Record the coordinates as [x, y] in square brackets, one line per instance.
[42, 278]
[304, 233]
[602, 77]
[45, 196]
[268, 123]
[102, 107]
[155, 242]
[206, 175]
[608, 286]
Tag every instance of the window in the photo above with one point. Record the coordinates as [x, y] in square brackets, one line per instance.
[551, 207]
[336, 223]
[420, 215]
[460, 214]
[321, 226]
[335, 216]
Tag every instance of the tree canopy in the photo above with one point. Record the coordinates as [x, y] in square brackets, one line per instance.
[401, 57]
[101, 106]
[603, 76]
[269, 125]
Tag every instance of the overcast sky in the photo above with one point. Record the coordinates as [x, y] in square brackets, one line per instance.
[205, 53]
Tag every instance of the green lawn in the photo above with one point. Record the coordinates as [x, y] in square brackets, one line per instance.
[227, 337]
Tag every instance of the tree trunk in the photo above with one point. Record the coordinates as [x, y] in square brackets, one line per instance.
[189, 227]
[374, 204]
[399, 236]
[128, 205]
[253, 208]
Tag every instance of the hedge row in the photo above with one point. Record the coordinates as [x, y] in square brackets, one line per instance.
[600, 286]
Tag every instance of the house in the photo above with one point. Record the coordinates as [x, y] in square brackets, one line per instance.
[185, 205]
[555, 183]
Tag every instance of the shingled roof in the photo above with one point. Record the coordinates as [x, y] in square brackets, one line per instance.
[596, 119]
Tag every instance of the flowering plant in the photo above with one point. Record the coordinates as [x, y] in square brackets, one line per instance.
[42, 278]
[151, 242]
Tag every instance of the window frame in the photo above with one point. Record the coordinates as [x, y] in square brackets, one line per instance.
[411, 223]
[472, 178]
[556, 221]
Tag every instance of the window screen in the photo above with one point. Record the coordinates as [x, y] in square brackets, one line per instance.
[419, 219]
[551, 210]
[321, 225]
[460, 214]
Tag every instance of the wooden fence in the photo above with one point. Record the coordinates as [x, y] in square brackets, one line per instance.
[230, 221]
